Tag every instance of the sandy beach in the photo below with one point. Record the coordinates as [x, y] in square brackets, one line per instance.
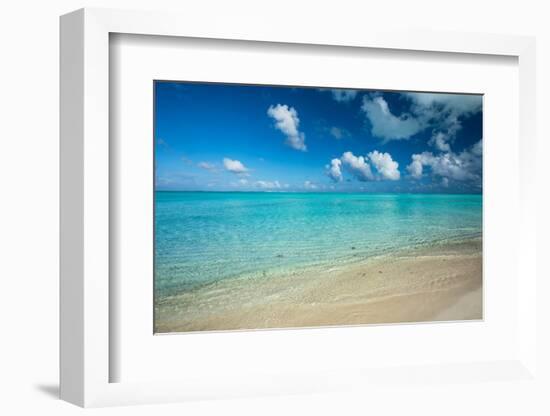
[442, 282]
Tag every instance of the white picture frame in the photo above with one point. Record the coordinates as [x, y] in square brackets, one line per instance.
[85, 210]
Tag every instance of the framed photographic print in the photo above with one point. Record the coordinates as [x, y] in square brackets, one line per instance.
[270, 212]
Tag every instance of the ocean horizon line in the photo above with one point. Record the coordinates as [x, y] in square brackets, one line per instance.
[317, 192]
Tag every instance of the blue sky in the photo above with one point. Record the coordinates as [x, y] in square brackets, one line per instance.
[227, 137]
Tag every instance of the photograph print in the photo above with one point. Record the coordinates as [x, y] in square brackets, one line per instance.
[295, 207]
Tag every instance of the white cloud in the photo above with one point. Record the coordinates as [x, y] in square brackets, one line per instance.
[344, 95]
[463, 166]
[477, 149]
[387, 125]
[310, 185]
[456, 103]
[334, 170]
[234, 166]
[268, 184]
[287, 121]
[241, 183]
[444, 113]
[385, 165]
[440, 141]
[207, 166]
[415, 168]
[358, 166]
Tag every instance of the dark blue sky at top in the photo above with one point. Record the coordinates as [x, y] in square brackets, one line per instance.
[198, 125]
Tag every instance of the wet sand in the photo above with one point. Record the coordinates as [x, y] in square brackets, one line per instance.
[437, 283]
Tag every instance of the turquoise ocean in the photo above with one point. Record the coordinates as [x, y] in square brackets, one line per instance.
[204, 237]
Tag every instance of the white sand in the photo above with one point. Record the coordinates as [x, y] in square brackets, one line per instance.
[428, 284]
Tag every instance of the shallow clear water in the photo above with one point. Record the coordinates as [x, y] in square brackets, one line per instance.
[203, 237]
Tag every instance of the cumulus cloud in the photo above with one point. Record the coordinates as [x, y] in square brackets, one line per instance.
[477, 149]
[358, 166]
[463, 166]
[444, 113]
[287, 121]
[234, 166]
[334, 170]
[268, 184]
[440, 141]
[361, 167]
[385, 165]
[344, 95]
[387, 125]
[416, 168]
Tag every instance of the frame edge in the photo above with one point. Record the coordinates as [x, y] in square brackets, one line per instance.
[71, 220]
